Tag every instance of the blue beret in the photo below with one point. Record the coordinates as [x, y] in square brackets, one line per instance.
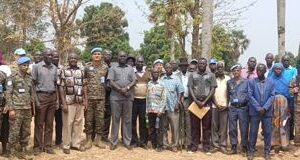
[20, 51]
[23, 60]
[158, 61]
[96, 50]
[213, 61]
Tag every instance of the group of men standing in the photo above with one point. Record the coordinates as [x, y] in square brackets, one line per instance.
[149, 101]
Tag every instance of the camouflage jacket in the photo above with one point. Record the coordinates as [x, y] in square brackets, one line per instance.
[95, 80]
[19, 91]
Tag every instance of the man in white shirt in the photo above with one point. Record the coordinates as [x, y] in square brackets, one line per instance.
[220, 111]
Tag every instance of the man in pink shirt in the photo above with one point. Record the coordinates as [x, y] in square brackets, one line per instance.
[249, 72]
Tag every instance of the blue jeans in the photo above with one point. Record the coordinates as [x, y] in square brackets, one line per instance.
[241, 115]
[267, 131]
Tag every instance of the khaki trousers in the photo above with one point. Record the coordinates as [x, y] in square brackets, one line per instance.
[73, 124]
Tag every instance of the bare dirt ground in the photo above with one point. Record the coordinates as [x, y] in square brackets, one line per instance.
[122, 153]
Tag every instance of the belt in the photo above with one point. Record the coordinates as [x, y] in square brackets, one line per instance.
[46, 92]
[239, 105]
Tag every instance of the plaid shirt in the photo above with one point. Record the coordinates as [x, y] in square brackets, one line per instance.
[156, 97]
[174, 88]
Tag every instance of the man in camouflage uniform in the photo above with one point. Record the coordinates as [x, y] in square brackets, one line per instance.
[95, 73]
[73, 95]
[20, 97]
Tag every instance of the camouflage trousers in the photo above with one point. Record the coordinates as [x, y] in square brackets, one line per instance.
[94, 116]
[19, 128]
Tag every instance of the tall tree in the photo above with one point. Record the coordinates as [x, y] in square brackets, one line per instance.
[105, 26]
[281, 26]
[197, 19]
[207, 26]
[63, 15]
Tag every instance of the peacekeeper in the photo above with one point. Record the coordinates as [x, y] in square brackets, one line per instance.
[20, 52]
[20, 97]
[95, 73]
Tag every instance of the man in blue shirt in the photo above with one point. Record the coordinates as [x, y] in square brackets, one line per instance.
[175, 92]
[261, 95]
[289, 73]
[238, 109]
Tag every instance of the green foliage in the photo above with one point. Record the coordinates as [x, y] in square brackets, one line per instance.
[34, 45]
[104, 26]
[157, 45]
[228, 45]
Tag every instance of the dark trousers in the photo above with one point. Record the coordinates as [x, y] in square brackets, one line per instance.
[267, 130]
[241, 116]
[139, 111]
[292, 110]
[156, 134]
[58, 126]
[107, 118]
[43, 121]
[196, 130]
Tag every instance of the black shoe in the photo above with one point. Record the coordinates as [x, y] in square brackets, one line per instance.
[250, 157]
[223, 150]
[159, 149]
[233, 150]
[244, 149]
[66, 151]
[49, 151]
[214, 150]
[267, 157]
[36, 151]
[129, 147]
[144, 146]
[113, 147]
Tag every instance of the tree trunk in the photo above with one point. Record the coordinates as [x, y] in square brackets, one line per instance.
[281, 27]
[63, 45]
[196, 28]
[207, 26]
[172, 52]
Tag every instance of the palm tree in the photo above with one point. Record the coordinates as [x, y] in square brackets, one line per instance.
[239, 43]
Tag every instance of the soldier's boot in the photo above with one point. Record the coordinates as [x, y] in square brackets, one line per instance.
[98, 143]
[89, 142]
[25, 153]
